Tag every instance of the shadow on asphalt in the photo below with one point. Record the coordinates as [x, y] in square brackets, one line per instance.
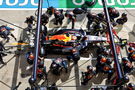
[20, 61]
[15, 72]
[23, 63]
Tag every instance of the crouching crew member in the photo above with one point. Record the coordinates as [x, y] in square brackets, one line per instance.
[5, 32]
[59, 16]
[30, 22]
[131, 55]
[57, 65]
[41, 70]
[127, 65]
[130, 86]
[74, 55]
[30, 57]
[123, 19]
[104, 66]
[50, 11]
[113, 13]
[71, 17]
[86, 76]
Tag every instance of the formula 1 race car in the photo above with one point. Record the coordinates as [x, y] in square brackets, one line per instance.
[68, 41]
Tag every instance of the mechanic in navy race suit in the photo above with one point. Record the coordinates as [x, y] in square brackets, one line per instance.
[71, 17]
[88, 75]
[123, 19]
[126, 65]
[113, 13]
[30, 22]
[59, 16]
[131, 55]
[5, 32]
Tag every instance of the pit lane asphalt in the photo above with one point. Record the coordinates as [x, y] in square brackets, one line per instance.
[15, 70]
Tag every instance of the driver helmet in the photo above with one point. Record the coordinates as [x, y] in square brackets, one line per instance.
[74, 50]
[74, 37]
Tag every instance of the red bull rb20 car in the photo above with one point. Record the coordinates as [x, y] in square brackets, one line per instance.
[66, 40]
